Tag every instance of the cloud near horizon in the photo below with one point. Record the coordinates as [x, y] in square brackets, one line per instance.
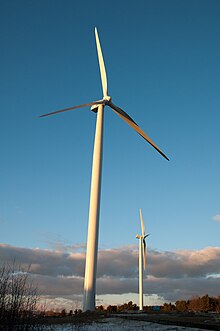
[171, 275]
[216, 218]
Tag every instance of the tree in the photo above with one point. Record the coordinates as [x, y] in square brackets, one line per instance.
[203, 304]
[18, 297]
[63, 313]
[181, 305]
[70, 313]
[112, 309]
[130, 305]
[168, 307]
[100, 308]
[194, 304]
[217, 309]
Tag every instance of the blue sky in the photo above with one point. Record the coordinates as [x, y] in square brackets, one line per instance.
[162, 61]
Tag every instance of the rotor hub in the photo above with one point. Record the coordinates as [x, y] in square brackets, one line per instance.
[107, 99]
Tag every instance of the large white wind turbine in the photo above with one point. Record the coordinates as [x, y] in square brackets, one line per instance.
[93, 224]
[142, 256]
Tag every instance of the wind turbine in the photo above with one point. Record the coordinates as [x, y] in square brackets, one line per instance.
[93, 223]
[142, 256]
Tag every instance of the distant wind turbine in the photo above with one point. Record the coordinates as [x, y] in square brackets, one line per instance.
[93, 224]
[142, 256]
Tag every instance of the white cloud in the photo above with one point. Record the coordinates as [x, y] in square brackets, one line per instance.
[216, 218]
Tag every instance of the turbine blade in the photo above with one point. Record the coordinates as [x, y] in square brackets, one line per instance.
[74, 107]
[134, 125]
[101, 65]
[142, 224]
[145, 254]
[121, 111]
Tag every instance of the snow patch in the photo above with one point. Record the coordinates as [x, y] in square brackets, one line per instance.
[120, 324]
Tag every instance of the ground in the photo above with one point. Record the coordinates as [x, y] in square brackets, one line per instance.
[130, 322]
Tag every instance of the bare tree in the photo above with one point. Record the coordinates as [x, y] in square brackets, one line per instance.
[18, 298]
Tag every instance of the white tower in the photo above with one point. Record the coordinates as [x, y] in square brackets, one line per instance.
[142, 257]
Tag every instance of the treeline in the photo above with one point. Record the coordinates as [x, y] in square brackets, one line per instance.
[59, 313]
[195, 304]
[199, 304]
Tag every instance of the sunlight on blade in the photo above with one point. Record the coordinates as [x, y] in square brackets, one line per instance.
[121, 111]
[139, 131]
[142, 223]
[74, 107]
[101, 65]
